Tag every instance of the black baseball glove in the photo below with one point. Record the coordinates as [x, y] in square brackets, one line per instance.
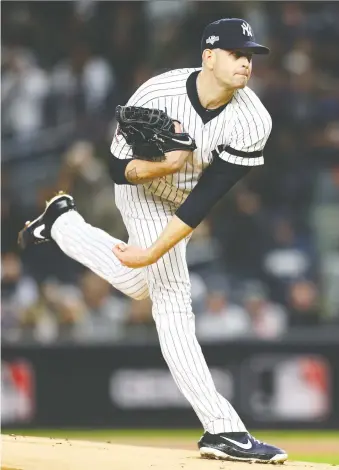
[150, 132]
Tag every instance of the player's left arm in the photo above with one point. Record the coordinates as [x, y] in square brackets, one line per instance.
[216, 180]
[234, 160]
[227, 168]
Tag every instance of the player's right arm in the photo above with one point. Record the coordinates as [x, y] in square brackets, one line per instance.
[126, 168]
[135, 171]
[142, 171]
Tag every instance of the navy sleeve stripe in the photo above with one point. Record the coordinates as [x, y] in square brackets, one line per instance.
[218, 178]
[117, 168]
[240, 153]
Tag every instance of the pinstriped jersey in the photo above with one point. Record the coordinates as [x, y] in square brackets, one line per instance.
[237, 134]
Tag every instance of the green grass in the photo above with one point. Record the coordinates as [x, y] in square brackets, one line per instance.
[316, 458]
[194, 434]
[189, 433]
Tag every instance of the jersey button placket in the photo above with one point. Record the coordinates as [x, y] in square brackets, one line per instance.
[206, 143]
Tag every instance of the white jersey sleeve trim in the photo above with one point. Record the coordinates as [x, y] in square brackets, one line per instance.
[227, 157]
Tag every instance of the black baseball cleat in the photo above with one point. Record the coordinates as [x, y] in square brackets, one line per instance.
[39, 230]
[239, 446]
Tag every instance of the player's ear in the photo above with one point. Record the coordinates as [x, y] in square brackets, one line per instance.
[207, 58]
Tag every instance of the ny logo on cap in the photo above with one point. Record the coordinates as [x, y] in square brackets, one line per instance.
[212, 40]
[246, 29]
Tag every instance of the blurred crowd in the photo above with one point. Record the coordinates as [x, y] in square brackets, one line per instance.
[267, 258]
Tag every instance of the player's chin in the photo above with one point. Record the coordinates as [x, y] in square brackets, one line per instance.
[240, 81]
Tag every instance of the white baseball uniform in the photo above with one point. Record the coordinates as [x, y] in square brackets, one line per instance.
[237, 134]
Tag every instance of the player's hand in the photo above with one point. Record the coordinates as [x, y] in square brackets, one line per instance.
[133, 256]
[177, 158]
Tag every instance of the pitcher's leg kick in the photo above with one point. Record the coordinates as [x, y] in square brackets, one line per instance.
[167, 282]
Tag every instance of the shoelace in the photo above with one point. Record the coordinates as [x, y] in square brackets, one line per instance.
[259, 442]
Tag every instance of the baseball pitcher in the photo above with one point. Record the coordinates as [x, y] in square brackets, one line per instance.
[183, 140]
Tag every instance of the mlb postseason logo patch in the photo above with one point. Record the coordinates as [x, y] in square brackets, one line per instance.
[212, 40]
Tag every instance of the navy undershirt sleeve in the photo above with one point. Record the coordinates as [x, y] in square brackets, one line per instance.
[117, 167]
[214, 183]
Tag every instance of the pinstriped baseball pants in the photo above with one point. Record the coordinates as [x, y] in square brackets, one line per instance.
[167, 282]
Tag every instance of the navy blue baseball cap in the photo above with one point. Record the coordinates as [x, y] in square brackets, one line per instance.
[231, 34]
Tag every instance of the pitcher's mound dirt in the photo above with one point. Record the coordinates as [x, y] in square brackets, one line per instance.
[34, 453]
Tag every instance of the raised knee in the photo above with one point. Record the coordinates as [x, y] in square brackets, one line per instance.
[141, 296]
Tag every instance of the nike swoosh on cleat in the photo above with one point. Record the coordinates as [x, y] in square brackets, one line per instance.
[248, 445]
[37, 231]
